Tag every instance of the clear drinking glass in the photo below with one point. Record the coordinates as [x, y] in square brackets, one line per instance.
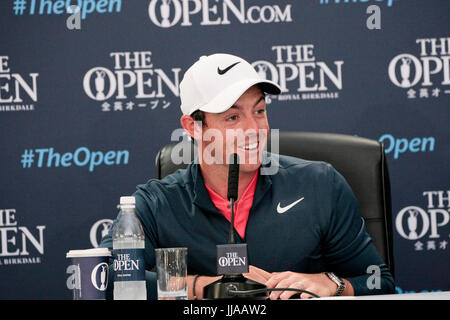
[172, 273]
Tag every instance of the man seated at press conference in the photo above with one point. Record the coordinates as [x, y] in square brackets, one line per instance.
[301, 223]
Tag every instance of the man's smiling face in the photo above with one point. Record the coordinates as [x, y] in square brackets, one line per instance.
[244, 129]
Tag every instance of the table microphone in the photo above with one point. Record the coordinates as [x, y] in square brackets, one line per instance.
[232, 194]
[232, 260]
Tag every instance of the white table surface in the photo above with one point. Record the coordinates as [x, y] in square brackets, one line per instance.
[444, 295]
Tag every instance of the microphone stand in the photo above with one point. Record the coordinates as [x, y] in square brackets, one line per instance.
[220, 289]
[231, 238]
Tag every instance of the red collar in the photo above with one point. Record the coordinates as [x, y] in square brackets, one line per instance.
[242, 207]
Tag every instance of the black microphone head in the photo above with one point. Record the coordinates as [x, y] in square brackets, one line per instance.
[233, 176]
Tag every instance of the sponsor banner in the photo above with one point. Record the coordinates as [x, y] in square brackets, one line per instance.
[185, 13]
[398, 146]
[81, 157]
[424, 74]
[19, 244]
[18, 91]
[300, 74]
[58, 7]
[107, 99]
[132, 82]
[426, 227]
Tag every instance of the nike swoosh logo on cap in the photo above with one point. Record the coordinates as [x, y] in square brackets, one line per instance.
[221, 72]
[284, 209]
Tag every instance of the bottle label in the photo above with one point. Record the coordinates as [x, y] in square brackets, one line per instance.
[129, 265]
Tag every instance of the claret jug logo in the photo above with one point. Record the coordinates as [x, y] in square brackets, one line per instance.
[415, 223]
[133, 83]
[99, 276]
[168, 13]
[425, 74]
[98, 230]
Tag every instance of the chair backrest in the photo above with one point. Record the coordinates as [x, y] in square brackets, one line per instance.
[361, 161]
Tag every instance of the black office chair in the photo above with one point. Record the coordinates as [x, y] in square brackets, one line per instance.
[361, 161]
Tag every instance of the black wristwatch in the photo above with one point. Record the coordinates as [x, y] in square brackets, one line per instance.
[340, 283]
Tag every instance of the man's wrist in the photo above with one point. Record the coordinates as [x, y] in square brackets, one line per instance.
[194, 293]
[190, 281]
[340, 283]
[348, 291]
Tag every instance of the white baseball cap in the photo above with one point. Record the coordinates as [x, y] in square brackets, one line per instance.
[214, 83]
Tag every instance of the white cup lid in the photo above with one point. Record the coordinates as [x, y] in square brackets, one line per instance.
[94, 252]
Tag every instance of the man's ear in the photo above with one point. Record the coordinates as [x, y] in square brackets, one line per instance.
[193, 128]
[187, 122]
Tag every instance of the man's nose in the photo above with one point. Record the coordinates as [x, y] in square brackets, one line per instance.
[250, 123]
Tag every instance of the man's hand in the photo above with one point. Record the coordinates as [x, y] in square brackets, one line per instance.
[317, 283]
[257, 274]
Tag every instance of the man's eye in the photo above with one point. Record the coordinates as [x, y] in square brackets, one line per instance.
[260, 111]
[232, 118]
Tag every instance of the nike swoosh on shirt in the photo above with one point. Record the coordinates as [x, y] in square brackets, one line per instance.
[221, 72]
[284, 209]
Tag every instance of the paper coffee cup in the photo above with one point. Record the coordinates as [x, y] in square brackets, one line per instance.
[88, 273]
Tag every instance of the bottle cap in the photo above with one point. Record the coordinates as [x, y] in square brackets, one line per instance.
[127, 201]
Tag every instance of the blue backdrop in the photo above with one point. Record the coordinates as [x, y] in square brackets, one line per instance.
[88, 97]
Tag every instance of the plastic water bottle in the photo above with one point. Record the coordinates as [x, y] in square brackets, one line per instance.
[128, 250]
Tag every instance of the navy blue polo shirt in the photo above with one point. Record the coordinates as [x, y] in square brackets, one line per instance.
[322, 232]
